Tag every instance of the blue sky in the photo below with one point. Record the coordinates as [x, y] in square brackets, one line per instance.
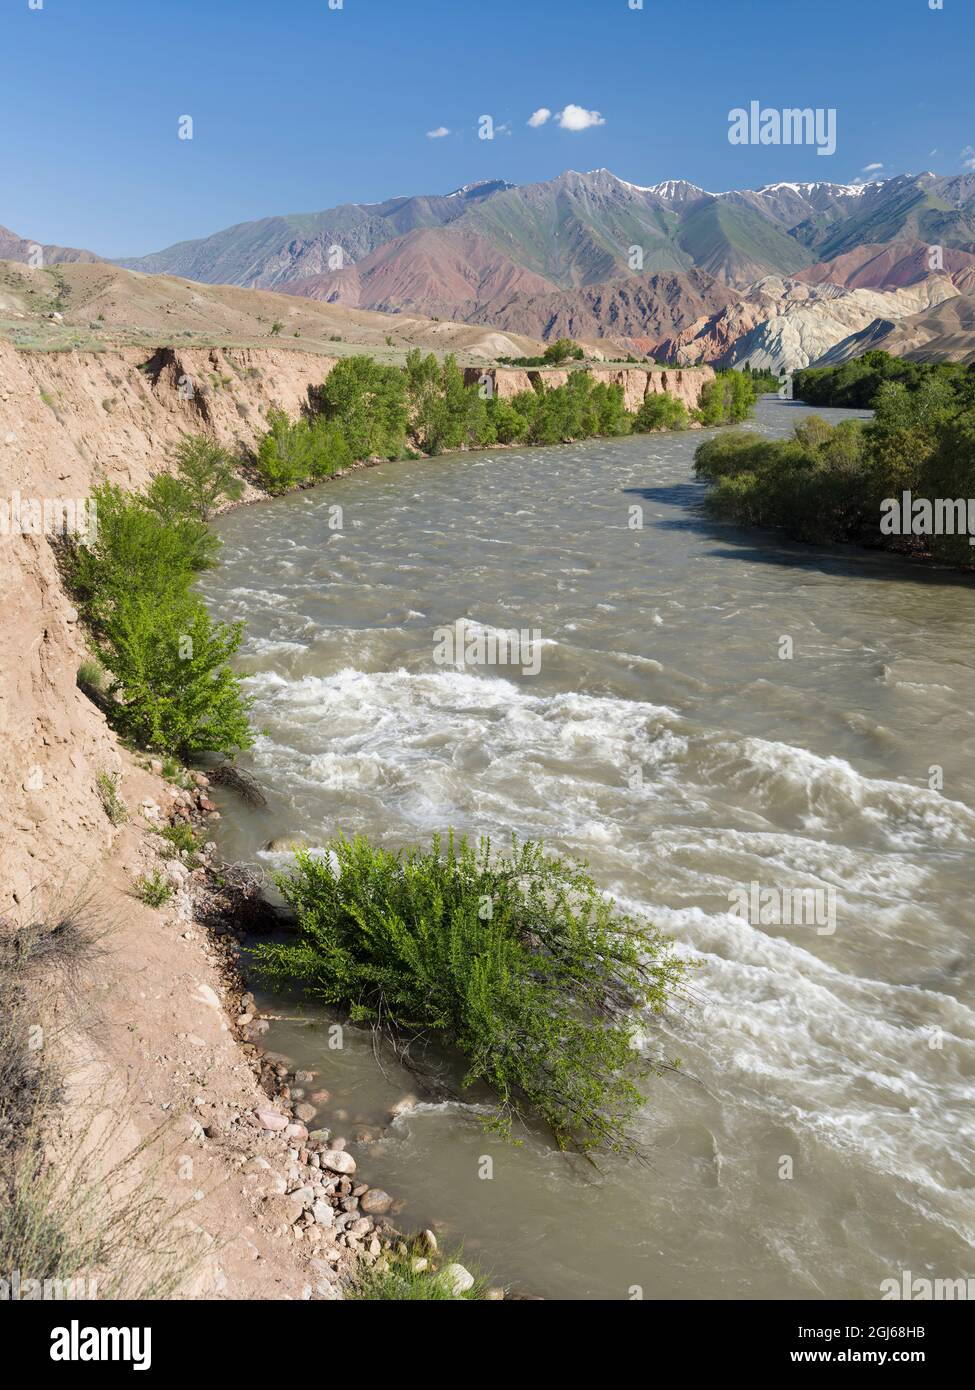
[297, 107]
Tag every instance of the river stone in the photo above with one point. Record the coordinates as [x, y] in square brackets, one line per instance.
[458, 1279]
[305, 1111]
[375, 1202]
[323, 1213]
[338, 1161]
[272, 1119]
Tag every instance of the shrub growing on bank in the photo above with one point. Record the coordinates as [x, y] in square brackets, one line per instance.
[517, 960]
[663, 412]
[171, 688]
[828, 482]
[300, 451]
[727, 400]
[207, 475]
[368, 400]
[444, 413]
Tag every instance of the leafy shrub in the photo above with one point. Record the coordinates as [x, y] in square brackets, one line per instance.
[726, 400]
[153, 889]
[518, 961]
[661, 412]
[174, 691]
[368, 400]
[828, 482]
[509, 425]
[207, 475]
[300, 451]
[562, 350]
[444, 413]
[855, 384]
[171, 688]
[182, 842]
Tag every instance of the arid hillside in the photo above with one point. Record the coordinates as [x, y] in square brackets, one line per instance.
[96, 305]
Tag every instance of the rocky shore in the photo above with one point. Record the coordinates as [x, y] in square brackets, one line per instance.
[303, 1184]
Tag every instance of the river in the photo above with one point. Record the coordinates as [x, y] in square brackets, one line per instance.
[715, 708]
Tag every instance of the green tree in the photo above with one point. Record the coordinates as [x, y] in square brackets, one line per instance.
[208, 473]
[173, 689]
[368, 399]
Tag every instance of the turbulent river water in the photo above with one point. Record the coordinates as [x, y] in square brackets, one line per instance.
[818, 1138]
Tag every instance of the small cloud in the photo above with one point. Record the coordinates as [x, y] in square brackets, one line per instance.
[968, 157]
[503, 129]
[870, 168]
[539, 117]
[578, 118]
[438, 134]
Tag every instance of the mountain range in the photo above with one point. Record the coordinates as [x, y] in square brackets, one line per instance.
[669, 269]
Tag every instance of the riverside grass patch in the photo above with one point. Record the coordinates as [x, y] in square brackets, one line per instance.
[516, 959]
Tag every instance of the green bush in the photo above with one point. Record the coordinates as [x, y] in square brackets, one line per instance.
[207, 474]
[727, 400]
[136, 547]
[854, 385]
[300, 451]
[171, 689]
[444, 413]
[949, 472]
[828, 482]
[518, 961]
[509, 425]
[663, 412]
[153, 889]
[368, 400]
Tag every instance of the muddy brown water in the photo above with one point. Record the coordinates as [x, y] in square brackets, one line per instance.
[819, 1139]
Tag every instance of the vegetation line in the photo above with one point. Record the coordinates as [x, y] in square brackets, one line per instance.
[163, 675]
[846, 482]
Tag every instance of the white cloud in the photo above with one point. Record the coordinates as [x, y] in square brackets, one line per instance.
[539, 117]
[438, 134]
[870, 168]
[968, 158]
[578, 118]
